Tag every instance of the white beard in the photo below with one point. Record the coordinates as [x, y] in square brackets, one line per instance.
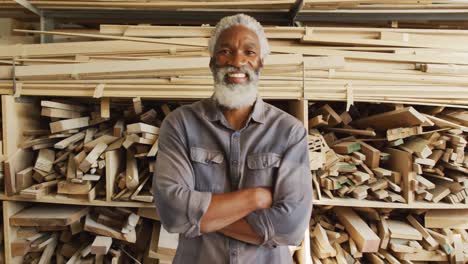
[235, 96]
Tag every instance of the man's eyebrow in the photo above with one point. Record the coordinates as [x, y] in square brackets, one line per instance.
[224, 45]
[251, 45]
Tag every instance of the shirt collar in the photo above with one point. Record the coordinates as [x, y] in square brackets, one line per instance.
[213, 110]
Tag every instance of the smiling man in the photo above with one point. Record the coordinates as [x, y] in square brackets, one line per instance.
[232, 174]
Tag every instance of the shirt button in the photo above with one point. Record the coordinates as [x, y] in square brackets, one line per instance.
[234, 162]
[236, 135]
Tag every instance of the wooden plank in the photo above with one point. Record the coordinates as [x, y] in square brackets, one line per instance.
[131, 178]
[70, 140]
[372, 155]
[48, 215]
[45, 160]
[101, 245]
[142, 128]
[63, 106]
[400, 229]
[92, 157]
[59, 113]
[113, 167]
[105, 107]
[362, 234]
[68, 124]
[451, 218]
[49, 250]
[394, 119]
[94, 227]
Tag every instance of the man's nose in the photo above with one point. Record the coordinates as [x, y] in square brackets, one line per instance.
[238, 60]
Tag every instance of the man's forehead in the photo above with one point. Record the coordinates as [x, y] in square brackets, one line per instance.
[238, 32]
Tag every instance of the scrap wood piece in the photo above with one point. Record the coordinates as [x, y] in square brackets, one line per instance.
[347, 147]
[68, 187]
[329, 115]
[403, 132]
[394, 119]
[70, 140]
[427, 237]
[49, 250]
[45, 160]
[360, 232]
[131, 177]
[68, 124]
[450, 218]
[352, 131]
[94, 227]
[372, 155]
[92, 157]
[59, 113]
[48, 215]
[136, 194]
[400, 229]
[142, 128]
[418, 146]
[101, 245]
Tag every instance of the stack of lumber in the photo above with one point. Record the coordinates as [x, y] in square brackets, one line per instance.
[71, 234]
[374, 5]
[87, 153]
[414, 66]
[162, 5]
[365, 235]
[389, 152]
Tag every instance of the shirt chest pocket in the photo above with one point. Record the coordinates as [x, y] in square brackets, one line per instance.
[209, 168]
[261, 169]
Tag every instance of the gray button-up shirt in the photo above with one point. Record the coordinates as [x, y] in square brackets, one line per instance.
[200, 155]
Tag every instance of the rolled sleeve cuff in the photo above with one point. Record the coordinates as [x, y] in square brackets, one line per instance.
[197, 207]
[262, 225]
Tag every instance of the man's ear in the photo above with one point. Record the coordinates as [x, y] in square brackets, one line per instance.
[212, 62]
[260, 64]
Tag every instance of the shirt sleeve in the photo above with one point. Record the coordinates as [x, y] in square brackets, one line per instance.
[285, 222]
[180, 207]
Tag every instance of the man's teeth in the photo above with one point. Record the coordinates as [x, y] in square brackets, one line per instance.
[236, 75]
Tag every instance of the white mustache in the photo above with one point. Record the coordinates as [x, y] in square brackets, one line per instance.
[221, 72]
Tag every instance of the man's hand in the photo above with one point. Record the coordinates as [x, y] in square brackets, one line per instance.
[227, 208]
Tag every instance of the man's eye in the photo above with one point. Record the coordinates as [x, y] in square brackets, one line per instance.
[251, 52]
[225, 51]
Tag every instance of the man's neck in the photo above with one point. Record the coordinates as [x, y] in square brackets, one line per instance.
[237, 118]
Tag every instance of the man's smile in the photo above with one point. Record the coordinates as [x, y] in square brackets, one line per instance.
[237, 77]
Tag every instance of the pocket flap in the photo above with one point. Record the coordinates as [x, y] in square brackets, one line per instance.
[263, 160]
[206, 156]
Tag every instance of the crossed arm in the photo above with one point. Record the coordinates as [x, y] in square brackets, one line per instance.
[226, 213]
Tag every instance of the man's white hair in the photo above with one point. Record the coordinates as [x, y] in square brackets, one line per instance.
[243, 20]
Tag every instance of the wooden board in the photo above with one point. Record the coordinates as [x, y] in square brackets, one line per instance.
[394, 119]
[361, 233]
[94, 227]
[451, 218]
[48, 215]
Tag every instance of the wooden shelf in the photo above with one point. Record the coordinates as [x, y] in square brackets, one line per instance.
[349, 202]
[59, 199]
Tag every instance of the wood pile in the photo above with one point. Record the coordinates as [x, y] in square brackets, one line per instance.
[376, 5]
[392, 153]
[91, 151]
[162, 5]
[412, 66]
[69, 234]
[365, 235]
